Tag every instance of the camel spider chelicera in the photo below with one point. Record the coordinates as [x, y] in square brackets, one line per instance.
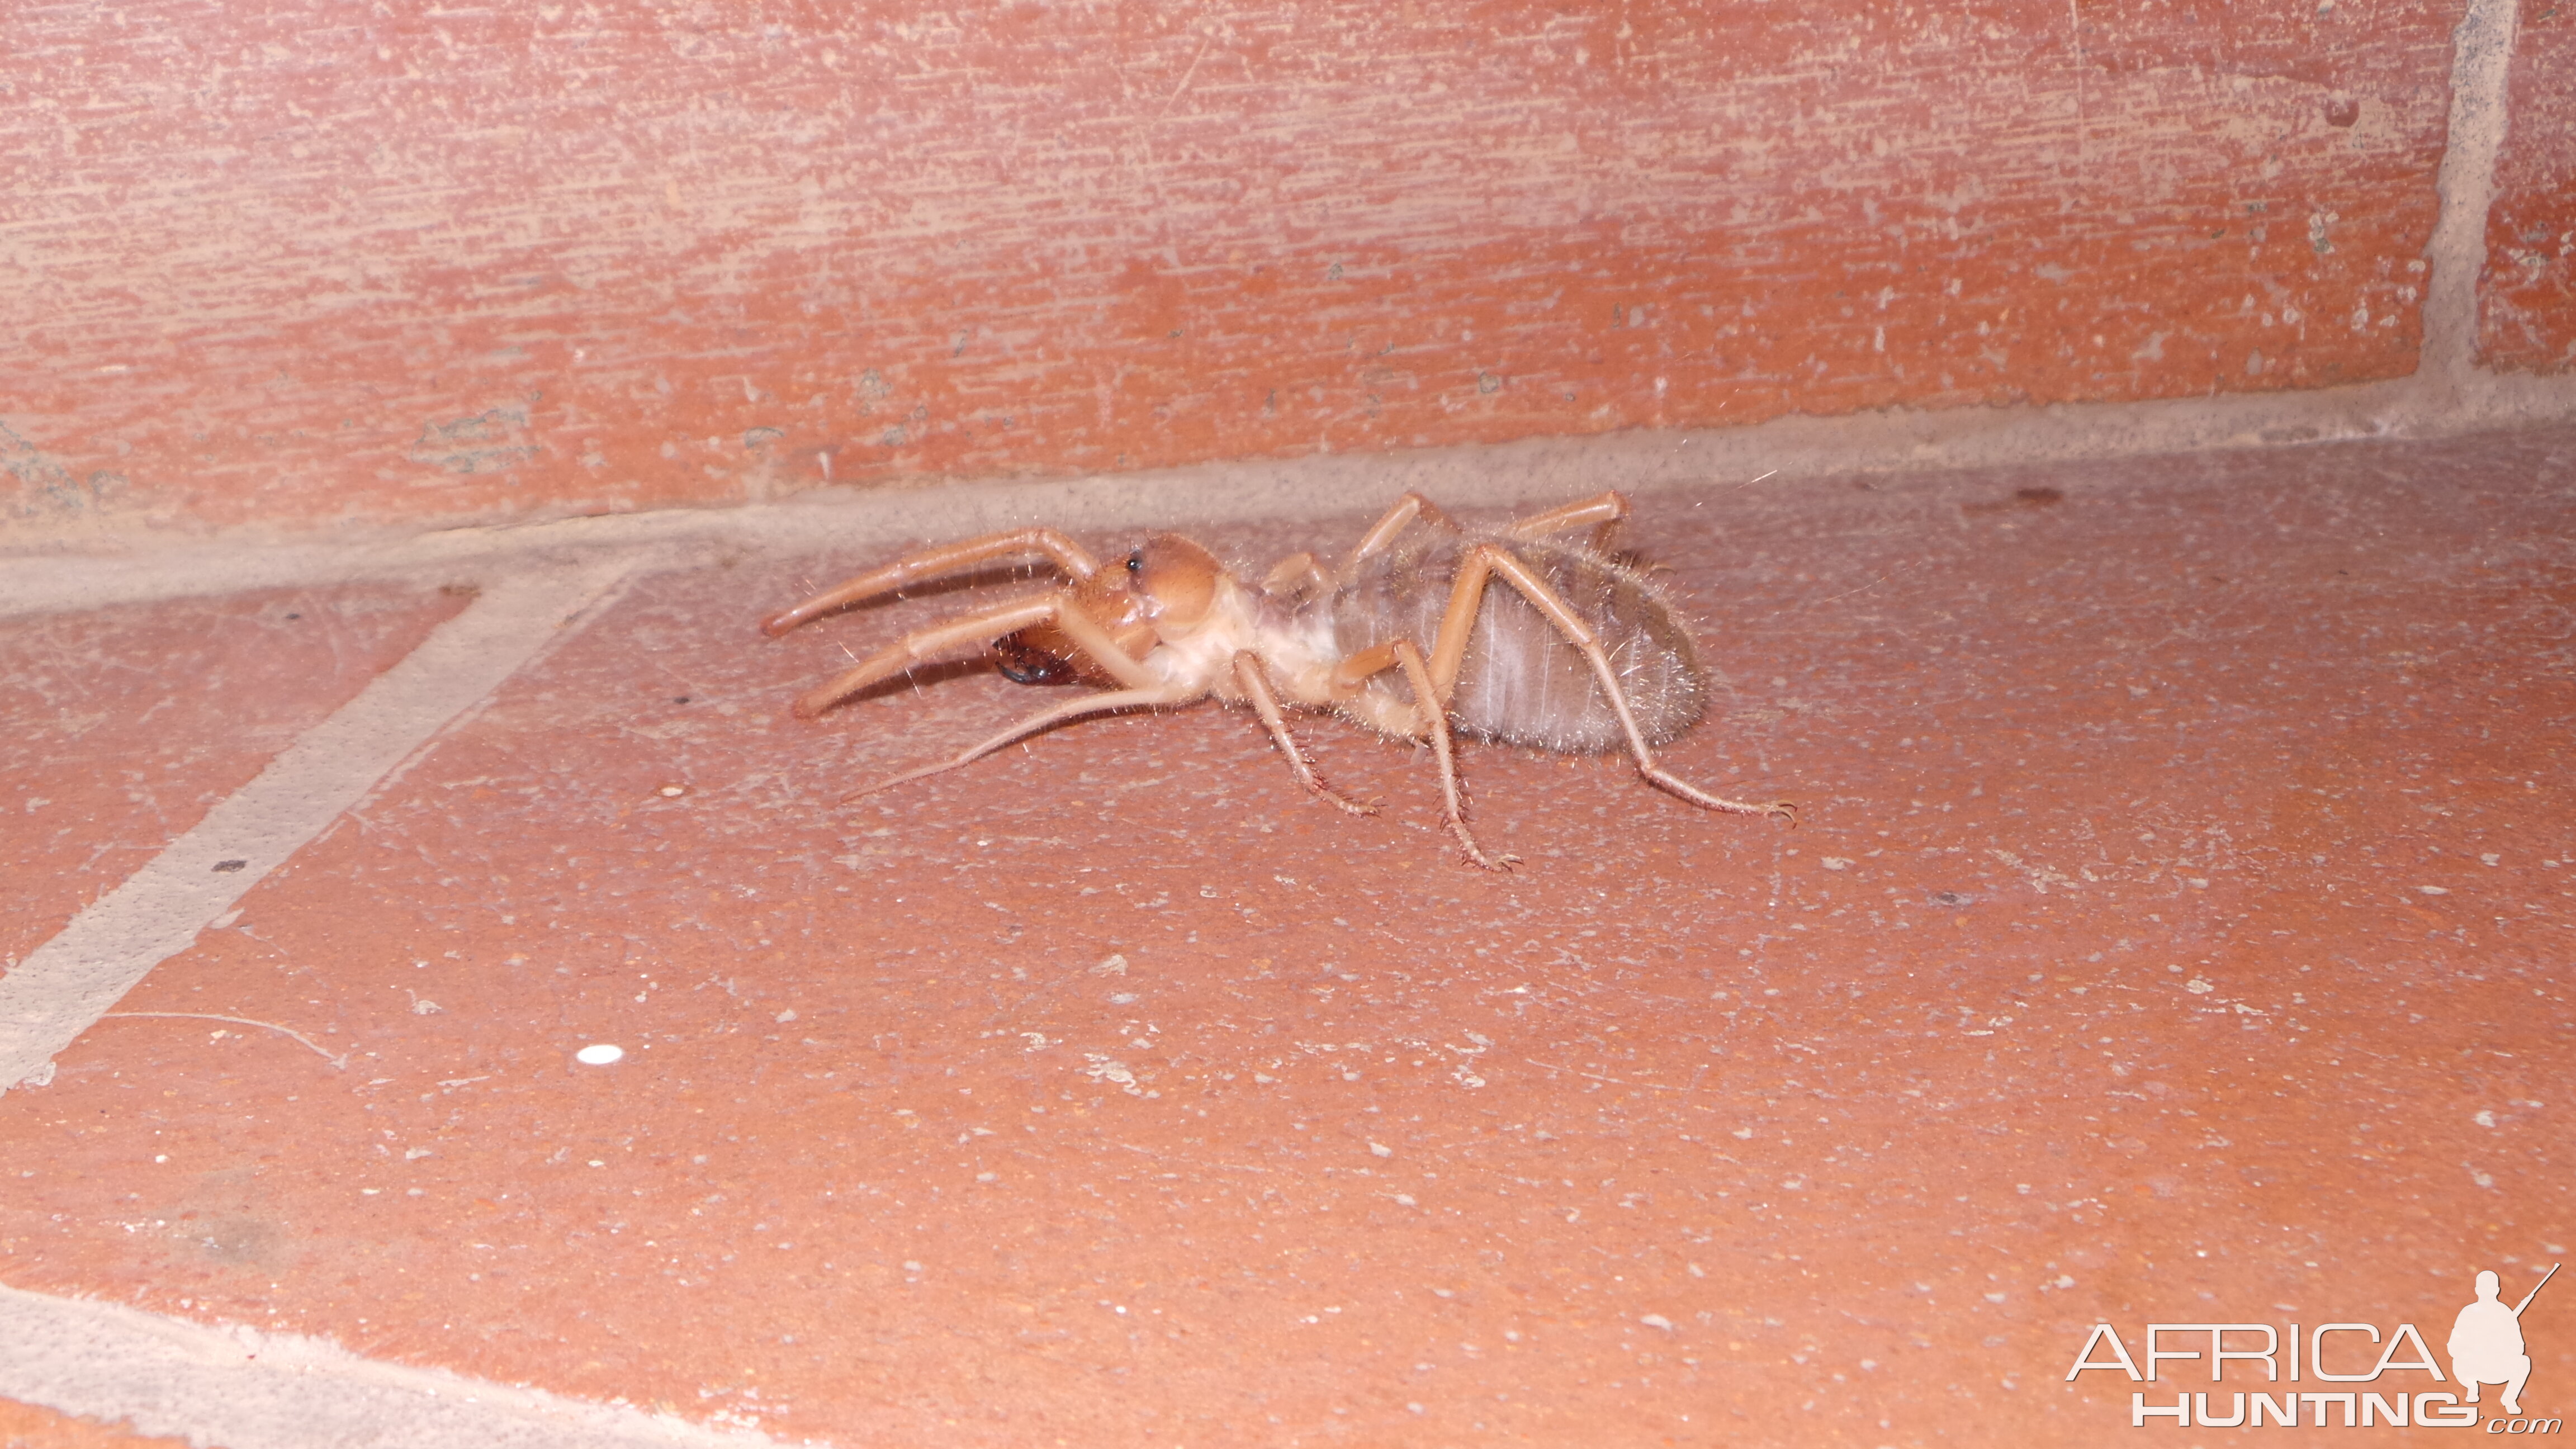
[1577, 652]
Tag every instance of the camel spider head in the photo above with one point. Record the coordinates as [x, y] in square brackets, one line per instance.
[1165, 583]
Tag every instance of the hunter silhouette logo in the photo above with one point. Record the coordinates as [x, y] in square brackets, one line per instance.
[2485, 1348]
[2486, 1341]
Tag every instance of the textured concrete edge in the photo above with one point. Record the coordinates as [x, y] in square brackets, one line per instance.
[243, 1389]
[1778, 454]
[63, 986]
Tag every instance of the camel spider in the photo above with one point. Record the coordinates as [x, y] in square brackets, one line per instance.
[1577, 652]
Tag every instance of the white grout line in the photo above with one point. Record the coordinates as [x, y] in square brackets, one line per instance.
[64, 985]
[2481, 77]
[245, 1389]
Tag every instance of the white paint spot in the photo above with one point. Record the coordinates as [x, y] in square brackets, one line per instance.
[2434, 890]
[599, 1054]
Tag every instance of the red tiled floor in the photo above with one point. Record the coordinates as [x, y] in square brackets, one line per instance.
[126, 723]
[2176, 930]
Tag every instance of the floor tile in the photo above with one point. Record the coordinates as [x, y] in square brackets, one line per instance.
[2175, 928]
[127, 722]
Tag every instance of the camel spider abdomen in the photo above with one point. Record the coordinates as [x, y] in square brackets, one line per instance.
[1424, 630]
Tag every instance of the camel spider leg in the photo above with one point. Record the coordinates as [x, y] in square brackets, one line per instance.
[1436, 712]
[981, 628]
[1297, 576]
[1401, 653]
[1605, 511]
[1431, 690]
[1410, 507]
[929, 563]
[1117, 699]
[1466, 596]
[1255, 683]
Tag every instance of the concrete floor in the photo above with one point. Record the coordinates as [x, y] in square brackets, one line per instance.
[2176, 929]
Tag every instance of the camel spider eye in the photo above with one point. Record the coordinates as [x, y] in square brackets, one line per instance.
[1136, 562]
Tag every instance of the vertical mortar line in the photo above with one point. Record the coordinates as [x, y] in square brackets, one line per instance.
[66, 984]
[2481, 67]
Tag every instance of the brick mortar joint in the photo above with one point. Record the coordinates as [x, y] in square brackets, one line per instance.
[2481, 74]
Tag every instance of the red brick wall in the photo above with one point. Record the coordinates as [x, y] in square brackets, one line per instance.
[2527, 311]
[299, 261]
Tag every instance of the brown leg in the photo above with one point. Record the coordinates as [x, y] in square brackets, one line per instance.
[1071, 709]
[1604, 512]
[1256, 687]
[1432, 718]
[1059, 609]
[1458, 621]
[1297, 576]
[1466, 596]
[1407, 510]
[930, 563]
[1436, 720]
[1357, 669]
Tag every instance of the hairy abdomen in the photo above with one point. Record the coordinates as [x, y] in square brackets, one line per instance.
[1522, 680]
